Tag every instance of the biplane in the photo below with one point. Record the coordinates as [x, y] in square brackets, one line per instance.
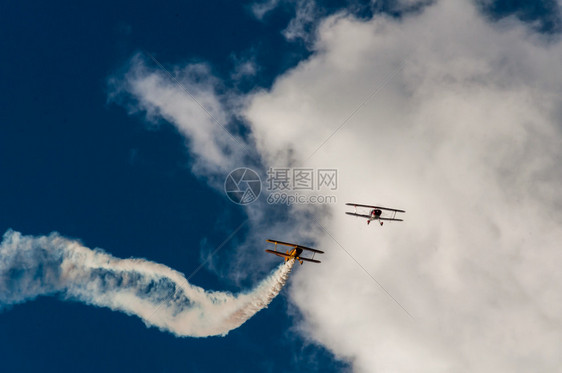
[295, 253]
[375, 213]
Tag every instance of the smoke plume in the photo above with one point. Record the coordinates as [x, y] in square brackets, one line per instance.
[54, 265]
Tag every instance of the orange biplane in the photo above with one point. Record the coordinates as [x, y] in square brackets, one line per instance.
[295, 252]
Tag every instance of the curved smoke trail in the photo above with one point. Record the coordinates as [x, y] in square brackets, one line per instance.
[160, 296]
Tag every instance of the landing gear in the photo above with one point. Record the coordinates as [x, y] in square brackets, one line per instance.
[381, 223]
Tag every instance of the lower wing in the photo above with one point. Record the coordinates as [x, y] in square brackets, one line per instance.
[283, 255]
[360, 215]
[309, 260]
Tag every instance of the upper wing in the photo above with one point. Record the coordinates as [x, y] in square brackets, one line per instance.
[359, 205]
[360, 215]
[374, 207]
[295, 246]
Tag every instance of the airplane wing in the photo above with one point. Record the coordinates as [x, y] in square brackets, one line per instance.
[374, 207]
[360, 215]
[283, 255]
[309, 249]
[295, 246]
[391, 219]
[309, 260]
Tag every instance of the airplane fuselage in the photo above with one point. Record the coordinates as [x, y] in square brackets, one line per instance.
[294, 254]
[374, 215]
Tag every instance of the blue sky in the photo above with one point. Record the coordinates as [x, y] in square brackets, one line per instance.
[75, 162]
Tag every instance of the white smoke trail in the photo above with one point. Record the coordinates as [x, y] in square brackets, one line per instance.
[33, 266]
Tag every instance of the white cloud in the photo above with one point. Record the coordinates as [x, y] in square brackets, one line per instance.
[260, 9]
[459, 124]
[189, 101]
[302, 25]
[244, 69]
[466, 138]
